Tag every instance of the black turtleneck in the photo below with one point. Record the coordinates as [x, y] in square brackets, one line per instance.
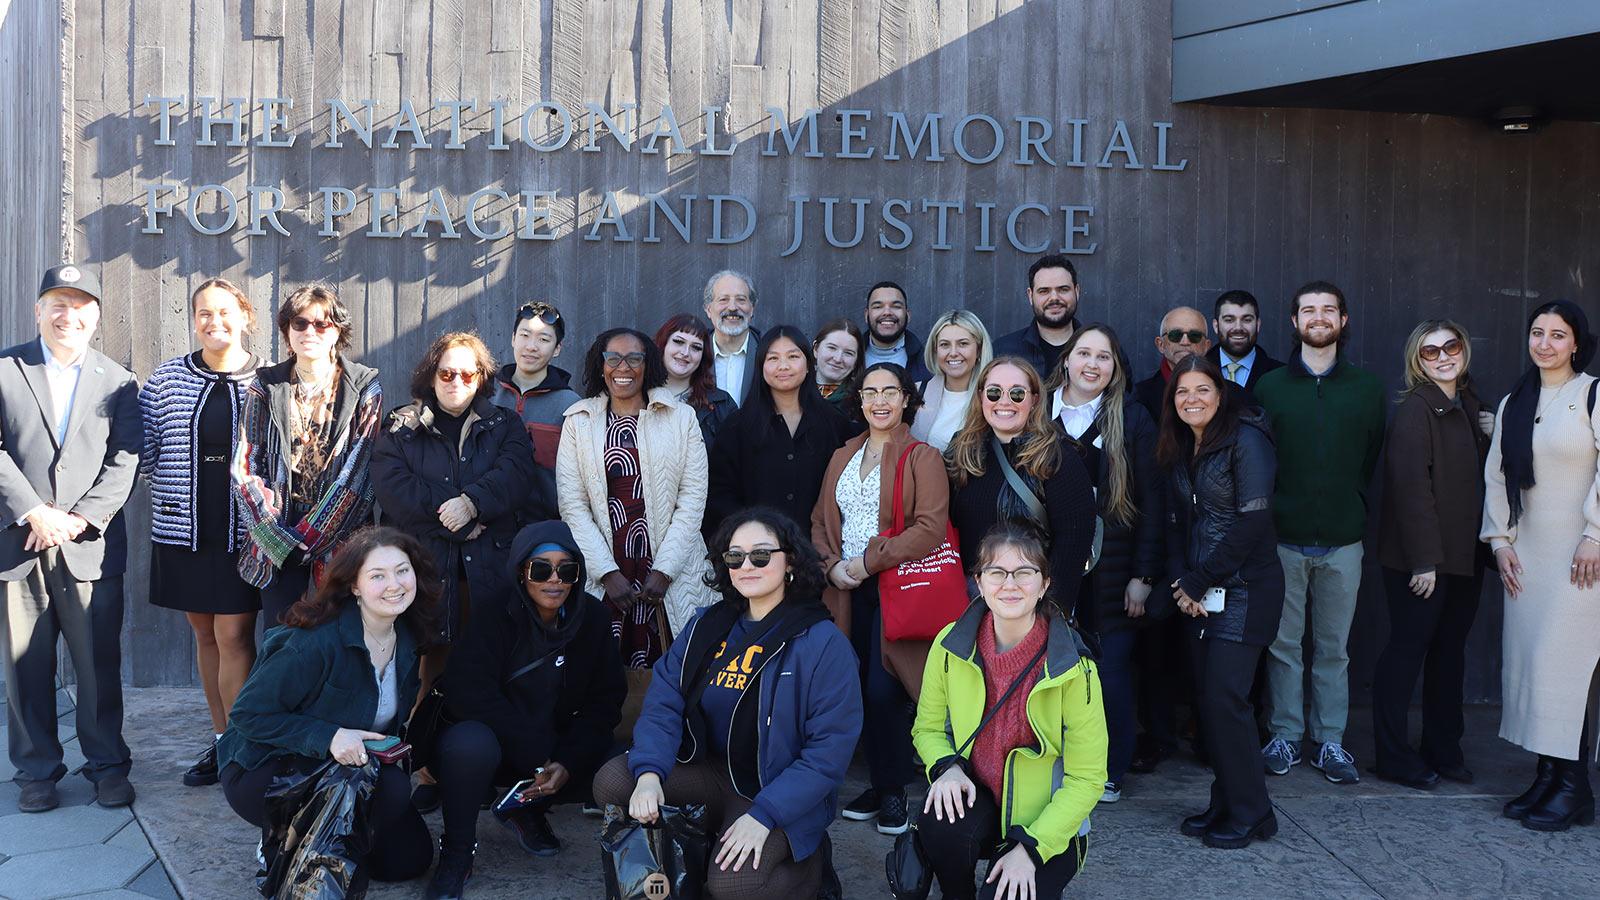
[448, 425]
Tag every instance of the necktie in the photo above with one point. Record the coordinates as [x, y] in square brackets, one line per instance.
[1233, 371]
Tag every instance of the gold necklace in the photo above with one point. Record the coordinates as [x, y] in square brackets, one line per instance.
[1554, 397]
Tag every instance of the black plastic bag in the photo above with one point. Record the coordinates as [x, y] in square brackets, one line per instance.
[655, 862]
[317, 831]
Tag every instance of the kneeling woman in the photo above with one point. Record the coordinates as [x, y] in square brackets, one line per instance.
[341, 671]
[1012, 683]
[769, 770]
[534, 693]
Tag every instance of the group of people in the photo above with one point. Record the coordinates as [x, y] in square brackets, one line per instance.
[581, 581]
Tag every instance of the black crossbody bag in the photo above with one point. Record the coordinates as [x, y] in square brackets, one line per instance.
[910, 876]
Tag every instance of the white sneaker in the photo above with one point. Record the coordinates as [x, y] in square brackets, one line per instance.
[1113, 792]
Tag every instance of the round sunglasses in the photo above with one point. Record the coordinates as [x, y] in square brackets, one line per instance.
[994, 392]
[467, 376]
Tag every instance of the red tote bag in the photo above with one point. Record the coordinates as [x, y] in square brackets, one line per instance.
[922, 596]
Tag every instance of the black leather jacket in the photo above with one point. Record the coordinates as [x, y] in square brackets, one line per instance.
[1220, 534]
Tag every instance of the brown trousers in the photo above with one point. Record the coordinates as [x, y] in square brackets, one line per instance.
[780, 874]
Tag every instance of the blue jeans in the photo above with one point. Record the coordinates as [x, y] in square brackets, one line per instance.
[1117, 686]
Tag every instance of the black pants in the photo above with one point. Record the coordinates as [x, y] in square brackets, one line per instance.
[468, 763]
[288, 585]
[1117, 683]
[401, 846]
[1158, 654]
[886, 730]
[1223, 671]
[954, 850]
[1427, 638]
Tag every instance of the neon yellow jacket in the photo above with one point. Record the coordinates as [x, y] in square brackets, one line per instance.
[1050, 789]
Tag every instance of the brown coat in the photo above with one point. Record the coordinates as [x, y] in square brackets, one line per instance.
[926, 503]
[1433, 484]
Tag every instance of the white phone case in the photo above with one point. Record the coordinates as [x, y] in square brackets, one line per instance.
[1214, 600]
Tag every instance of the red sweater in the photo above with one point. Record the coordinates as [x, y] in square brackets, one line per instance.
[1009, 728]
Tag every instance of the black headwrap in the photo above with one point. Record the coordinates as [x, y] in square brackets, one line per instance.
[1516, 428]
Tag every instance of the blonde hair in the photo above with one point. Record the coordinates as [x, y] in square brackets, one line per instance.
[968, 322]
[1040, 452]
[1120, 506]
[1416, 376]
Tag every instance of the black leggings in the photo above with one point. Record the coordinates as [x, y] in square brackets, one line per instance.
[401, 846]
[468, 762]
[954, 850]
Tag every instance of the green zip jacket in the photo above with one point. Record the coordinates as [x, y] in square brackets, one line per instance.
[1049, 788]
[1328, 429]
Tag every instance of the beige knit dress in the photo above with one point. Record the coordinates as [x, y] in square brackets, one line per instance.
[1551, 638]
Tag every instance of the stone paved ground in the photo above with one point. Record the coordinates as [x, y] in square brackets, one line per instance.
[1367, 840]
[79, 849]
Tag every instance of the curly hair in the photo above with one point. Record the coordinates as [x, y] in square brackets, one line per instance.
[316, 294]
[428, 366]
[594, 362]
[704, 377]
[902, 380]
[338, 586]
[805, 565]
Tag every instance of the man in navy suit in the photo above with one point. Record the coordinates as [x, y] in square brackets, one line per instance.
[69, 452]
[1236, 317]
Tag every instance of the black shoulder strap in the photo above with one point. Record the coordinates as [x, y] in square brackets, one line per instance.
[531, 666]
[1593, 386]
[1015, 683]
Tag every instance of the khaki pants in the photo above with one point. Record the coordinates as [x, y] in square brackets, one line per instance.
[1332, 581]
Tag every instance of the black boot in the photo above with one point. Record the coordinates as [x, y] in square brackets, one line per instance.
[204, 770]
[1544, 775]
[1198, 825]
[1568, 802]
[449, 881]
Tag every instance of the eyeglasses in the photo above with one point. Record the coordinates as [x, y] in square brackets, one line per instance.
[1430, 352]
[538, 571]
[1178, 334]
[873, 395]
[448, 376]
[616, 360]
[301, 323]
[734, 559]
[1017, 394]
[544, 312]
[994, 576]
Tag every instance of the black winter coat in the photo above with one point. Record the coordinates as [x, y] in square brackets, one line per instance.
[756, 462]
[414, 470]
[563, 709]
[1220, 534]
[1127, 551]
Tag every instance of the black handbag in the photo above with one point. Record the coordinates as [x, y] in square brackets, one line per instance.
[667, 859]
[910, 876]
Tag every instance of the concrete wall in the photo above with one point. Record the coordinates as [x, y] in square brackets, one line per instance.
[1415, 216]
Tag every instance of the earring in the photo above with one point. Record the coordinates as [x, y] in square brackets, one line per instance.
[789, 575]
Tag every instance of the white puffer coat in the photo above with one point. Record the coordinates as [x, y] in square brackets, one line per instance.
[672, 460]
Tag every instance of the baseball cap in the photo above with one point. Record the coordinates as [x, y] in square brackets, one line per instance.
[71, 276]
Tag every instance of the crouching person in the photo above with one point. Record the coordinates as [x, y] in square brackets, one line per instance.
[1041, 745]
[533, 693]
[341, 670]
[754, 712]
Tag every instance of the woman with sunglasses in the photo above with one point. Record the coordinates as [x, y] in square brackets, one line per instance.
[1221, 467]
[631, 478]
[1008, 463]
[1432, 559]
[1011, 731]
[852, 528]
[533, 695]
[691, 378]
[1541, 515]
[775, 449]
[452, 470]
[1116, 438]
[302, 465]
[754, 712]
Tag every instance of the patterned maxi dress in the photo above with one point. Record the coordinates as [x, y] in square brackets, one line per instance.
[635, 629]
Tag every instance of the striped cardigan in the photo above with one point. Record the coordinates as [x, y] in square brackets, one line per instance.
[169, 458]
[261, 470]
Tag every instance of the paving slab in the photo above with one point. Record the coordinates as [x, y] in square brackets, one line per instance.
[71, 871]
[153, 882]
[67, 826]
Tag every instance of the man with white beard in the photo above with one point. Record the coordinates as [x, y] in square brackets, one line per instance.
[730, 303]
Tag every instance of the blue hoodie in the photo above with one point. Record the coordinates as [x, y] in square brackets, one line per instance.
[808, 719]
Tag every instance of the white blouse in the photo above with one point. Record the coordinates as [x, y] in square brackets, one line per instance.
[858, 505]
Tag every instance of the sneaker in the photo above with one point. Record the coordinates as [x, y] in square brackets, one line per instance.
[1113, 792]
[893, 818]
[1279, 755]
[1337, 765]
[533, 832]
[864, 808]
[449, 881]
[204, 770]
[261, 853]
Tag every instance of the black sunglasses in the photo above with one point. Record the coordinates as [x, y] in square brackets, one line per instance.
[301, 323]
[544, 312]
[539, 571]
[1178, 334]
[759, 558]
[994, 391]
